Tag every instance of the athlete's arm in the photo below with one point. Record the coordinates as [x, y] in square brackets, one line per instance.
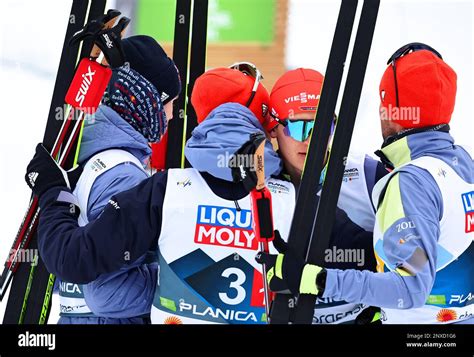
[409, 220]
[129, 226]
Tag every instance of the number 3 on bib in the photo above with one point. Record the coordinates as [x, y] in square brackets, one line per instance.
[240, 292]
[238, 289]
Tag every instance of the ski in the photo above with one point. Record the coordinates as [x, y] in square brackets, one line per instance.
[97, 8]
[182, 28]
[37, 305]
[35, 309]
[12, 266]
[189, 55]
[197, 64]
[324, 220]
[306, 203]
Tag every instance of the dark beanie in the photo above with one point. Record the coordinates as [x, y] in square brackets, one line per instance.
[149, 59]
[137, 101]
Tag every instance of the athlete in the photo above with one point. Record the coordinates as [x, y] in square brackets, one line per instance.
[294, 100]
[113, 155]
[198, 221]
[424, 222]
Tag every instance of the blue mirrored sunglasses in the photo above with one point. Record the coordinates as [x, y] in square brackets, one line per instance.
[301, 129]
[298, 129]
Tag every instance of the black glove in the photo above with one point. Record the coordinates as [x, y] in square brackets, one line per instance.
[43, 172]
[370, 315]
[246, 173]
[107, 39]
[288, 271]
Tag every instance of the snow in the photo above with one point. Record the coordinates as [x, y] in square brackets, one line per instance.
[29, 58]
[28, 64]
[22, 126]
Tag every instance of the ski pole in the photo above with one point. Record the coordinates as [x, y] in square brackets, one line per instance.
[92, 98]
[98, 55]
[261, 207]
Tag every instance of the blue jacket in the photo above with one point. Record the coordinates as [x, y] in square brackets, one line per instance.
[421, 202]
[121, 296]
[131, 221]
[223, 132]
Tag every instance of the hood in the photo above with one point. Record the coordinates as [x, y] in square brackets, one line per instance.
[220, 135]
[108, 130]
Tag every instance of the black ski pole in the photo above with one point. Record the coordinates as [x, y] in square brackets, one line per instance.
[306, 202]
[197, 64]
[65, 74]
[182, 28]
[35, 309]
[97, 8]
[324, 220]
[38, 304]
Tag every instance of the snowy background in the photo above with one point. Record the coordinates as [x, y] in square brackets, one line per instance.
[29, 56]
